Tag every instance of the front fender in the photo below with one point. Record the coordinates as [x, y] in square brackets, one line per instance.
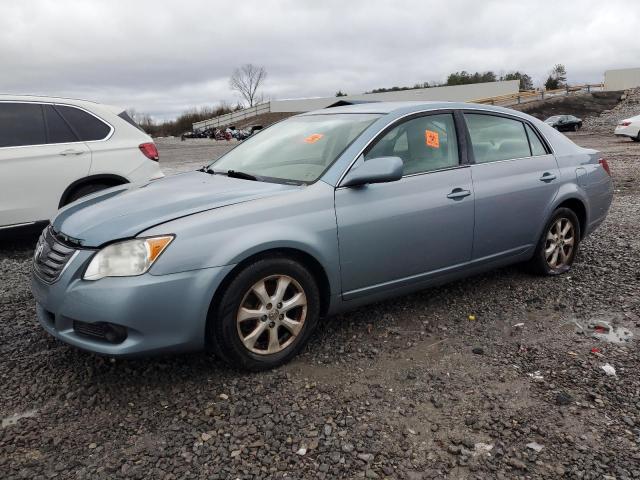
[303, 220]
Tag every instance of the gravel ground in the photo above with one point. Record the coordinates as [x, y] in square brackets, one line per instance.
[192, 153]
[606, 122]
[495, 376]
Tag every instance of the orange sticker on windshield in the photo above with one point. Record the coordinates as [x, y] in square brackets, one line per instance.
[313, 138]
[431, 139]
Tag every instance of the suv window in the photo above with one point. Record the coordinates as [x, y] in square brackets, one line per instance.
[21, 124]
[85, 126]
[537, 147]
[496, 138]
[127, 118]
[58, 130]
[424, 144]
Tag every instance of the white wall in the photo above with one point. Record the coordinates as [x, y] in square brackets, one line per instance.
[459, 93]
[622, 79]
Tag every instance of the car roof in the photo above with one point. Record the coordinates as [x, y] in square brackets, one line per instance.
[411, 106]
[5, 97]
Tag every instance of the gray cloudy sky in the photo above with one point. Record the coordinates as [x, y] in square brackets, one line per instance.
[164, 57]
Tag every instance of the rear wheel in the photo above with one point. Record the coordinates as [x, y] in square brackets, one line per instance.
[85, 190]
[558, 245]
[636, 138]
[266, 314]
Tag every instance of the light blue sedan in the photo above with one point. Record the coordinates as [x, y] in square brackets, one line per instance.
[317, 214]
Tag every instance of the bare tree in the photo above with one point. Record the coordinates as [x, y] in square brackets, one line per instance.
[246, 80]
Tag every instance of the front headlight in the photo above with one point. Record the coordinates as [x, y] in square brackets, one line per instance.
[126, 259]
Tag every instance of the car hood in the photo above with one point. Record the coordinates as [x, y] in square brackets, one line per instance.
[127, 210]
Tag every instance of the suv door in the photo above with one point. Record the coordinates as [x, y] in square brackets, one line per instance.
[39, 158]
[514, 181]
[394, 234]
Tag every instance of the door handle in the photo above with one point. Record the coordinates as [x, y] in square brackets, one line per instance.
[458, 193]
[547, 177]
[71, 151]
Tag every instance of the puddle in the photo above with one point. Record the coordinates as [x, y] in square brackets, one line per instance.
[13, 419]
[605, 329]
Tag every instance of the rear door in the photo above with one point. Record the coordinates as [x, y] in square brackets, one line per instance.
[39, 158]
[515, 179]
[395, 234]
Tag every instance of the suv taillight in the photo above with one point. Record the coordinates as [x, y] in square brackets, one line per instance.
[605, 165]
[150, 151]
[624, 124]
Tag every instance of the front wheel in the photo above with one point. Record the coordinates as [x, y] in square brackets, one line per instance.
[558, 245]
[266, 314]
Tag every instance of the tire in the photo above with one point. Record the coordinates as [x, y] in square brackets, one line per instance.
[636, 138]
[545, 260]
[245, 339]
[85, 190]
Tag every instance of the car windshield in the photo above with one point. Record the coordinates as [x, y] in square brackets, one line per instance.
[553, 119]
[298, 149]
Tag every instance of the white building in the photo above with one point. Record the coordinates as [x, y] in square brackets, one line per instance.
[622, 79]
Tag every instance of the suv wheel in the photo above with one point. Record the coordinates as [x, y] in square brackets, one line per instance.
[558, 244]
[85, 190]
[265, 315]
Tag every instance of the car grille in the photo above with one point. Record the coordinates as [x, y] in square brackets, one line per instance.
[51, 256]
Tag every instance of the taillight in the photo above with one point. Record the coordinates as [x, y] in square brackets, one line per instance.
[624, 124]
[605, 165]
[150, 151]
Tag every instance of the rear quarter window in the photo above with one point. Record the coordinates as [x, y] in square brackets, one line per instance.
[127, 118]
[86, 126]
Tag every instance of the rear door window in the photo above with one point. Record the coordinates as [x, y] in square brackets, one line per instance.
[58, 131]
[21, 124]
[86, 126]
[496, 138]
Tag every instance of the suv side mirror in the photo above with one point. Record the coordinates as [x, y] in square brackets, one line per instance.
[375, 170]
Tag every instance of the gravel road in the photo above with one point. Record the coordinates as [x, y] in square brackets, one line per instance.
[496, 376]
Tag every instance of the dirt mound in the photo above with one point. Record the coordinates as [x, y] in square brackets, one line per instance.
[583, 105]
[608, 119]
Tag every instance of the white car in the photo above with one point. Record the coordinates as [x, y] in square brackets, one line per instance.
[56, 150]
[629, 127]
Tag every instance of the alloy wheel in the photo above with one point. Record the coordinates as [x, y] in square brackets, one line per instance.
[271, 314]
[560, 243]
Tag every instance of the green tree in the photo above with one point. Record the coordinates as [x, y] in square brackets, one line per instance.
[557, 77]
[525, 80]
[340, 93]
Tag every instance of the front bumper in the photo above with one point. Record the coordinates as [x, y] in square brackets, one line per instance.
[162, 313]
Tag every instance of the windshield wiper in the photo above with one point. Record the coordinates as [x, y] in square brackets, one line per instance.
[243, 175]
[206, 169]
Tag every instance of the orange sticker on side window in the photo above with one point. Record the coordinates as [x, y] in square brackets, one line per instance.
[431, 139]
[313, 138]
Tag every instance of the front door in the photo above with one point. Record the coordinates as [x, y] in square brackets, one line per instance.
[394, 234]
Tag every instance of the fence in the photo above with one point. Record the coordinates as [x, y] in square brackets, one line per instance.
[532, 95]
[231, 118]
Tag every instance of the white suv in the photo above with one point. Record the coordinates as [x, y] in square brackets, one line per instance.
[56, 150]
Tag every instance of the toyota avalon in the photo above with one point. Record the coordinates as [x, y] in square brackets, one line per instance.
[320, 213]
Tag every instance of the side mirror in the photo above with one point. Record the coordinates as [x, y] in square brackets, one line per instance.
[375, 170]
